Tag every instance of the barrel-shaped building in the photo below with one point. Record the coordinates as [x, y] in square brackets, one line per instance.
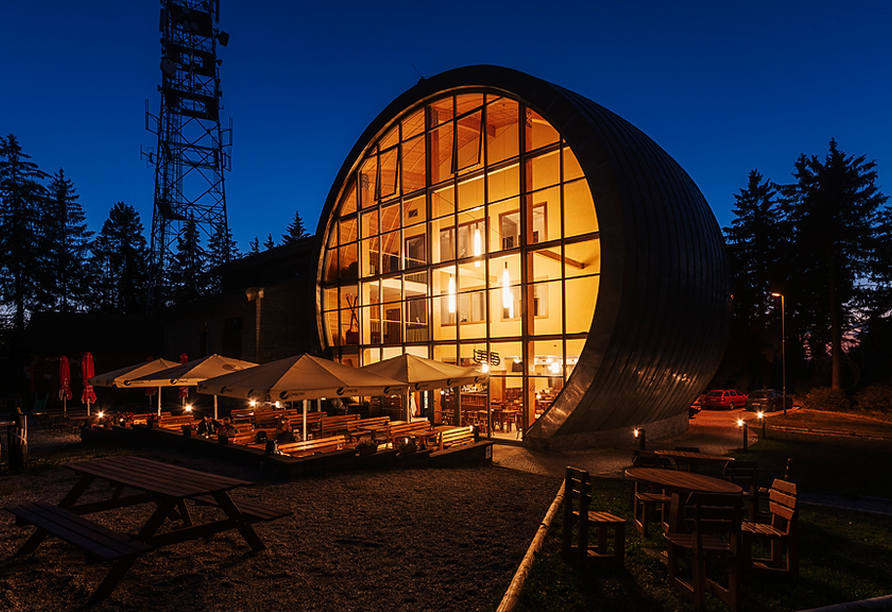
[489, 217]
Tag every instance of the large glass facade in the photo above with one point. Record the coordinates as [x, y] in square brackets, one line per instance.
[466, 233]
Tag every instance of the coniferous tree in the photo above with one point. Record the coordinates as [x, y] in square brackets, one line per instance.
[120, 263]
[296, 230]
[221, 249]
[65, 274]
[22, 197]
[188, 268]
[255, 245]
[834, 211]
[270, 242]
[757, 241]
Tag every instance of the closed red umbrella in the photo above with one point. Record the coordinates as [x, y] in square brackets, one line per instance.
[88, 396]
[64, 383]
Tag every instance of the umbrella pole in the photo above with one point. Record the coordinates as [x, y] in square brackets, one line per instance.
[305, 420]
[159, 401]
[215, 407]
[65, 406]
[88, 407]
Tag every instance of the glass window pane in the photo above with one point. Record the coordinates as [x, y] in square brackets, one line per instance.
[332, 328]
[504, 183]
[348, 230]
[547, 308]
[505, 322]
[413, 124]
[416, 320]
[472, 235]
[571, 358]
[470, 193]
[349, 265]
[468, 141]
[370, 223]
[467, 102]
[504, 225]
[390, 252]
[440, 111]
[368, 175]
[583, 294]
[392, 289]
[348, 201]
[572, 169]
[539, 132]
[579, 206]
[501, 130]
[443, 201]
[416, 249]
[544, 223]
[389, 173]
[390, 218]
[471, 276]
[393, 326]
[546, 264]
[390, 138]
[543, 171]
[371, 256]
[443, 231]
[371, 292]
[441, 153]
[330, 273]
[581, 258]
[415, 211]
[414, 166]
[330, 299]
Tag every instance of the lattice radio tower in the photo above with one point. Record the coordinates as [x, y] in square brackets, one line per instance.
[193, 150]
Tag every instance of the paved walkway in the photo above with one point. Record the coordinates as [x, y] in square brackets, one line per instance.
[713, 432]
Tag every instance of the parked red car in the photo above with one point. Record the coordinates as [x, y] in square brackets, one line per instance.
[723, 399]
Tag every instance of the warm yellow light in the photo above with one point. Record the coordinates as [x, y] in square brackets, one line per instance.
[252, 403]
[484, 368]
[776, 295]
[100, 414]
[507, 296]
[760, 414]
[188, 407]
[451, 291]
[635, 432]
[278, 405]
[478, 246]
[555, 367]
[740, 422]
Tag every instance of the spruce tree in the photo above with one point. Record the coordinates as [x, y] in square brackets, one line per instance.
[270, 242]
[834, 209]
[221, 250]
[120, 263]
[67, 240]
[296, 230]
[188, 270]
[255, 245]
[22, 197]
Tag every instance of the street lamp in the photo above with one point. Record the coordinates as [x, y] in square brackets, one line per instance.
[783, 349]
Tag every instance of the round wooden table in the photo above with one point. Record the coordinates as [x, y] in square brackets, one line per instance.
[693, 460]
[680, 484]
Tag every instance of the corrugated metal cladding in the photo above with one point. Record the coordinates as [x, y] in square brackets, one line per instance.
[663, 311]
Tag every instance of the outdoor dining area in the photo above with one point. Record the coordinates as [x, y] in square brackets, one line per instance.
[714, 522]
[282, 413]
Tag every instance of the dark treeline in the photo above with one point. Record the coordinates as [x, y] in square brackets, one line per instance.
[822, 242]
[51, 261]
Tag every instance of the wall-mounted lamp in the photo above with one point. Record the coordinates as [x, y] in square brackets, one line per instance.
[642, 441]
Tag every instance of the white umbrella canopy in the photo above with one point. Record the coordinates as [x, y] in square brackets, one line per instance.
[423, 374]
[301, 377]
[191, 373]
[119, 377]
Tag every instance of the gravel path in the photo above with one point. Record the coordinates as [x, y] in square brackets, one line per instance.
[423, 539]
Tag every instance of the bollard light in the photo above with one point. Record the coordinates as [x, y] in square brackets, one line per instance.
[642, 440]
[761, 416]
[188, 407]
[742, 424]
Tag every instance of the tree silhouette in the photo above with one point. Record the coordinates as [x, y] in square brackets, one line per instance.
[22, 197]
[296, 230]
[121, 263]
[188, 268]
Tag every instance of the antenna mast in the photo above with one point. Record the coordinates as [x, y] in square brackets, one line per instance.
[193, 150]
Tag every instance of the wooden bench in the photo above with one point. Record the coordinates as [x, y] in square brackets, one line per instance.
[98, 542]
[176, 422]
[418, 429]
[781, 532]
[332, 425]
[311, 447]
[371, 423]
[270, 418]
[252, 511]
[454, 437]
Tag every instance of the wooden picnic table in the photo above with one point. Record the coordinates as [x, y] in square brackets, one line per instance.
[693, 459]
[680, 484]
[136, 480]
[168, 487]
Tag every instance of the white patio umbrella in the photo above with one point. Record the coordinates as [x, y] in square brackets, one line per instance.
[191, 373]
[421, 374]
[301, 377]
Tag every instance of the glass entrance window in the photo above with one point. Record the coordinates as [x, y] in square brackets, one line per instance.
[470, 229]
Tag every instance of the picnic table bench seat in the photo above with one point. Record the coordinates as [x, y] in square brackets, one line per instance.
[175, 422]
[98, 542]
[311, 447]
[418, 429]
[332, 425]
[454, 437]
[253, 512]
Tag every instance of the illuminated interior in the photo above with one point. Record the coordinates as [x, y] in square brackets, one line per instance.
[466, 233]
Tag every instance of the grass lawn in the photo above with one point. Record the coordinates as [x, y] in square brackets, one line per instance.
[844, 555]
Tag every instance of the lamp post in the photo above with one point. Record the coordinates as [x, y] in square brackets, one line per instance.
[639, 433]
[783, 349]
[742, 424]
